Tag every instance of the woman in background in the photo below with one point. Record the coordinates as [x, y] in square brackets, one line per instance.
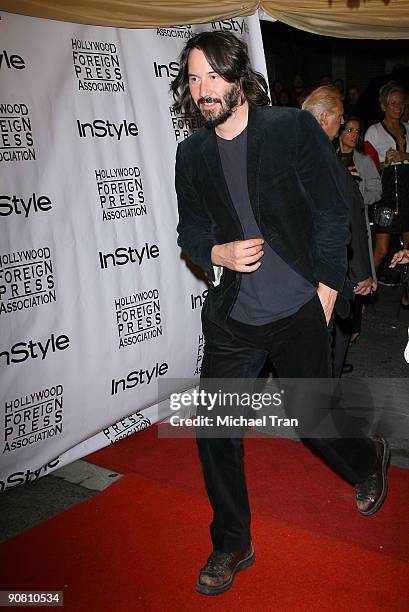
[362, 167]
[387, 143]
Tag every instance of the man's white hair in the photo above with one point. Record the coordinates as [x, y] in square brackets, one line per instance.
[322, 100]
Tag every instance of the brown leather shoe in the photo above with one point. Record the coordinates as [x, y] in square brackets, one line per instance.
[371, 493]
[218, 574]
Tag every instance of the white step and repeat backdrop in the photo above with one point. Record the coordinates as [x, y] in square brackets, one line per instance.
[96, 303]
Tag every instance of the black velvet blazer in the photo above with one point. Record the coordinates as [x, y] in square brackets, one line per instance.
[297, 192]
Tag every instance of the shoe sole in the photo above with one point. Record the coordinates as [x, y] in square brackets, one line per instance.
[206, 590]
[385, 462]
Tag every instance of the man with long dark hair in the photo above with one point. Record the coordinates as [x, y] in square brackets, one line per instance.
[261, 211]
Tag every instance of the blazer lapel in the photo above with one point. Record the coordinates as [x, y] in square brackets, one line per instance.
[255, 140]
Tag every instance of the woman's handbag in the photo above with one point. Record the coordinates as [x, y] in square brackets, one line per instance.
[385, 214]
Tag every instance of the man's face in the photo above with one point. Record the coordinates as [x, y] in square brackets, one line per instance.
[215, 97]
[350, 134]
[331, 122]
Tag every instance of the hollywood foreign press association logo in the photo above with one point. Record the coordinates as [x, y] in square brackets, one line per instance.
[183, 31]
[32, 418]
[199, 354]
[184, 125]
[97, 66]
[121, 193]
[16, 133]
[126, 427]
[26, 280]
[138, 317]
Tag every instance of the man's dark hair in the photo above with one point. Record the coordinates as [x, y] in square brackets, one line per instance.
[228, 56]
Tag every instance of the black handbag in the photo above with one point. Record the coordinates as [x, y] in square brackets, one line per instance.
[387, 209]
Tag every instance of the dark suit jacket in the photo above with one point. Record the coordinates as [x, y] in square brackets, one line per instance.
[296, 189]
[359, 264]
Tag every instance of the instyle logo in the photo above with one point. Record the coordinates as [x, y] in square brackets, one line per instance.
[17, 478]
[26, 280]
[11, 60]
[166, 70]
[97, 66]
[121, 193]
[101, 128]
[125, 255]
[138, 317]
[19, 205]
[21, 351]
[16, 135]
[197, 301]
[184, 31]
[231, 25]
[126, 427]
[33, 418]
[138, 378]
[184, 125]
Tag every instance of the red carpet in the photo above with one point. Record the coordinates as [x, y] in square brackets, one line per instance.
[137, 546]
[286, 482]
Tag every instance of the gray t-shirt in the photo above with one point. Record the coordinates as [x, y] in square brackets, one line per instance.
[275, 290]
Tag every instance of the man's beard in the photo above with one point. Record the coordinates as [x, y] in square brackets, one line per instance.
[230, 101]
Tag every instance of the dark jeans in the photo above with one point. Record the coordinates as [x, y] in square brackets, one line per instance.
[299, 347]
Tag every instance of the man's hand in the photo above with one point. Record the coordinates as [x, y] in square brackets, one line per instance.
[368, 285]
[327, 297]
[401, 257]
[240, 255]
